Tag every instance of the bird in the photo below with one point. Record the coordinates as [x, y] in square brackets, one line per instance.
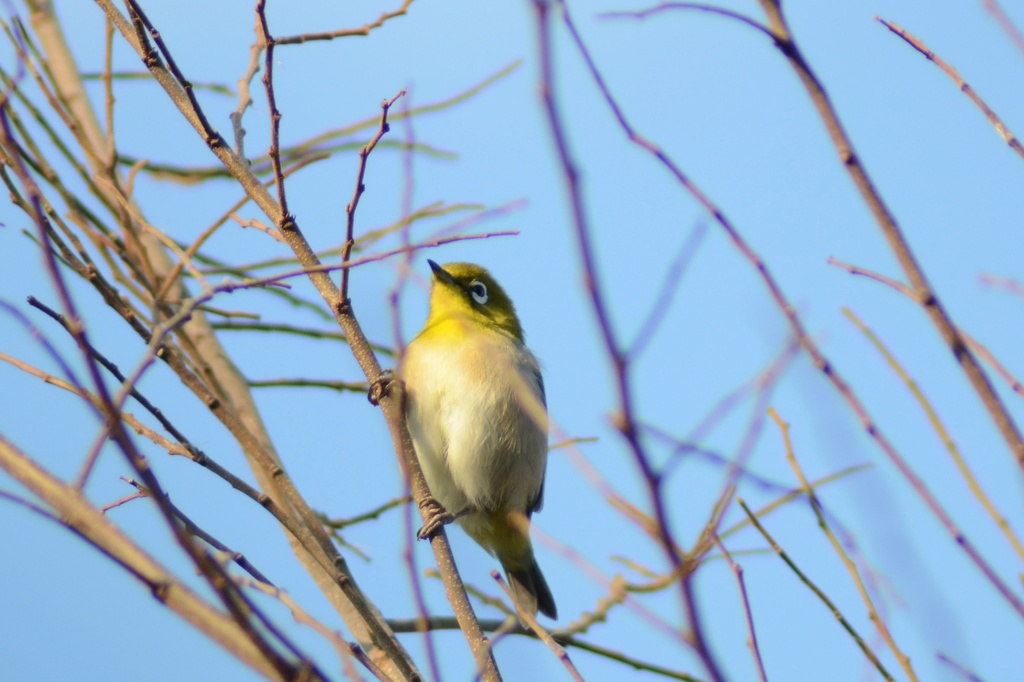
[477, 415]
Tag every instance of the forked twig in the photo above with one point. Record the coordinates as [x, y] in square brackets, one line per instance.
[350, 209]
[275, 114]
[851, 567]
[954, 452]
[625, 420]
[975, 345]
[818, 592]
[898, 243]
[926, 297]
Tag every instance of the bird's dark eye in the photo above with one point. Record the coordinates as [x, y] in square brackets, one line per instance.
[478, 290]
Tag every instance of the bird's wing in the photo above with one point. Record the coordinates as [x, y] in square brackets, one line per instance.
[540, 384]
[537, 503]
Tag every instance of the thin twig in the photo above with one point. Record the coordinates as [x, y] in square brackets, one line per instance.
[737, 571]
[531, 622]
[193, 528]
[318, 143]
[933, 418]
[248, 283]
[975, 345]
[392, 406]
[332, 384]
[1005, 23]
[345, 650]
[218, 88]
[851, 567]
[419, 599]
[210, 136]
[40, 338]
[563, 636]
[766, 383]
[898, 243]
[696, 6]
[309, 332]
[789, 310]
[669, 288]
[625, 421]
[960, 669]
[76, 514]
[993, 118]
[353, 204]
[108, 91]
[244, 87]
[1007, 283]
[275, 114]
[255, 223]
[792, 495]
[372, 515]
[346, 32]
[817, 591]
[137, 495]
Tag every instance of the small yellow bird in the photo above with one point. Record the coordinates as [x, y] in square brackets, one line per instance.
[478, 419]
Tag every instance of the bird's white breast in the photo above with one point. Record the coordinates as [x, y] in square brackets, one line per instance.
[477, 420]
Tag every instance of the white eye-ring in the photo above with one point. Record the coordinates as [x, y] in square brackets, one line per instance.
[478, 290]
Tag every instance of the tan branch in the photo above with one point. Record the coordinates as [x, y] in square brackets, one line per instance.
[82, 518]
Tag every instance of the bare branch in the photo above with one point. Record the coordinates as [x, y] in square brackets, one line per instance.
[531, 622]
[1005, 23]
[695, 6]
[89, 524]
[737, 571]
[975, 345]
[346, 32]
[818, 592]
[993, 118]
[350, 209]
[954, 452]
[275, 114]
[786, 43]
[851, 567]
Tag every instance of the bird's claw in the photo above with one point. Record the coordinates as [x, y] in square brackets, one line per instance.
[380, 387]
[435, 518]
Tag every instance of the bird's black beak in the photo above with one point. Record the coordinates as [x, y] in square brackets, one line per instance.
[440, 272]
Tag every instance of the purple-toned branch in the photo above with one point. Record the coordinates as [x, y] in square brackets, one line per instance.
[1005, 23]
[625, 420]
[993, 118]
[353, 204]
[737, 571]
[934, 308]
[975, 345]
[211, 570]
[789, 311]
[817, 591]
[275, 114]
[694, 6]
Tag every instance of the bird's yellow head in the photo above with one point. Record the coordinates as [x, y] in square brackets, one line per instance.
[466, 292]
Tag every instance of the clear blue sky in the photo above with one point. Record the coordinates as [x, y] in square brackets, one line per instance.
[723, 102]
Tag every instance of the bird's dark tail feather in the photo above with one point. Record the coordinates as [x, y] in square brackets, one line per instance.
[530, 589]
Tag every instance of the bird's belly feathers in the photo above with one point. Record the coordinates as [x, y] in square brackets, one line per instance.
[478, 423]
